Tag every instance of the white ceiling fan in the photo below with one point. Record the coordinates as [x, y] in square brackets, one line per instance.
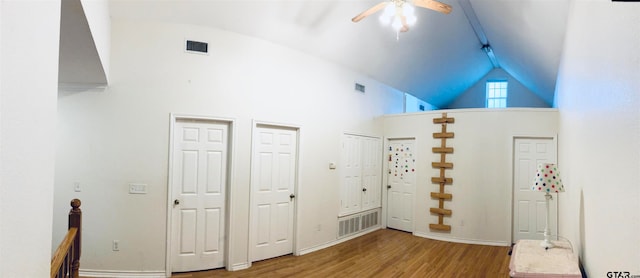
[400, 12]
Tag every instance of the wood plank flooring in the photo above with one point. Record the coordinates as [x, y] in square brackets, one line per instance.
[383, 253]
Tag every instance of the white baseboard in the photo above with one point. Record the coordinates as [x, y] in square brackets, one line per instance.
[136, 274]
[121, 273]
[463, 240]
[335, 242]
[239, 266]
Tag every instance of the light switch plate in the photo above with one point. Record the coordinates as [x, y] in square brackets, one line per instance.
[137, 188]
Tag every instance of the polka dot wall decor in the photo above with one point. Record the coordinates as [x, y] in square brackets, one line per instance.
[400, 158]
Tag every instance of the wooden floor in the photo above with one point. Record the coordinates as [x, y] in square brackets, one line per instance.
[383, 253]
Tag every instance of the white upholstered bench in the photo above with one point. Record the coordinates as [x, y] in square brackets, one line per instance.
[529, 259]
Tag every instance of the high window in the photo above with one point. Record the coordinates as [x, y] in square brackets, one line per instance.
[497, 93]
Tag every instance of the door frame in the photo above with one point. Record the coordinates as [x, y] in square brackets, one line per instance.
[252, 185]
[385, 178]
[229, 233]
[512, 156]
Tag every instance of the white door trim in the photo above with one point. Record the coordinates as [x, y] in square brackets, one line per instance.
[255, 125]
[510, 209]
[174, 117]
[361, 134]
[385, 178]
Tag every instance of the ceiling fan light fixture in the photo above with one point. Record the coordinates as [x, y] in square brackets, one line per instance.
[398, 13]
[387, 14]
[389, 10]
[397, 23]
[408, 9]
[401, 13]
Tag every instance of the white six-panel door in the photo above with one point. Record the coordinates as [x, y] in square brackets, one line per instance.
[351, 189]
[371, 173]
[361, 184]
[273, 178]
[529, 212]
[401, 184]
[199, 168]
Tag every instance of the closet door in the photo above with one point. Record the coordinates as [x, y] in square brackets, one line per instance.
[351, 187]
[371, 171]
[361, 184]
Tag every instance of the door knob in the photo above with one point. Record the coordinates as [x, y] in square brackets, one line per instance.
[291, 197]
[388, 186]
[176, 202]
[364, 189]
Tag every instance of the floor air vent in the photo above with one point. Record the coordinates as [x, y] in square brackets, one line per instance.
[353, 224]
[369, 220]
[349, 226]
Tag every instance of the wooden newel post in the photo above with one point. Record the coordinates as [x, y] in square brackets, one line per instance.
[75, 221]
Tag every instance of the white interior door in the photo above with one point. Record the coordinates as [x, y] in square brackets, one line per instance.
[371, 171]
[351, 188]
[401, 184]
[199, 168]
[273, 184]
[529, 212]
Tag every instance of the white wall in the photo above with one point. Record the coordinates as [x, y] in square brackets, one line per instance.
[98, 18]
[482, 158]
[29, 74]
[598, 98]
[412, 104]
[518, 95]
[107, 140]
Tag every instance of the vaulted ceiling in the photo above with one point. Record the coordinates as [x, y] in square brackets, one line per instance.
[437, 60]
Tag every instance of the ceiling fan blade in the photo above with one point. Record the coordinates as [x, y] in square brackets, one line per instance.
[369, 12]
[433, 5]
[405, 26]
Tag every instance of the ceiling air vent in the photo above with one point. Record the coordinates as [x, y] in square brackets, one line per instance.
[359, 87]
[198, 47]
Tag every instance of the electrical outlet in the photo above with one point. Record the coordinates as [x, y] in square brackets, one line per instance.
[116, 245]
